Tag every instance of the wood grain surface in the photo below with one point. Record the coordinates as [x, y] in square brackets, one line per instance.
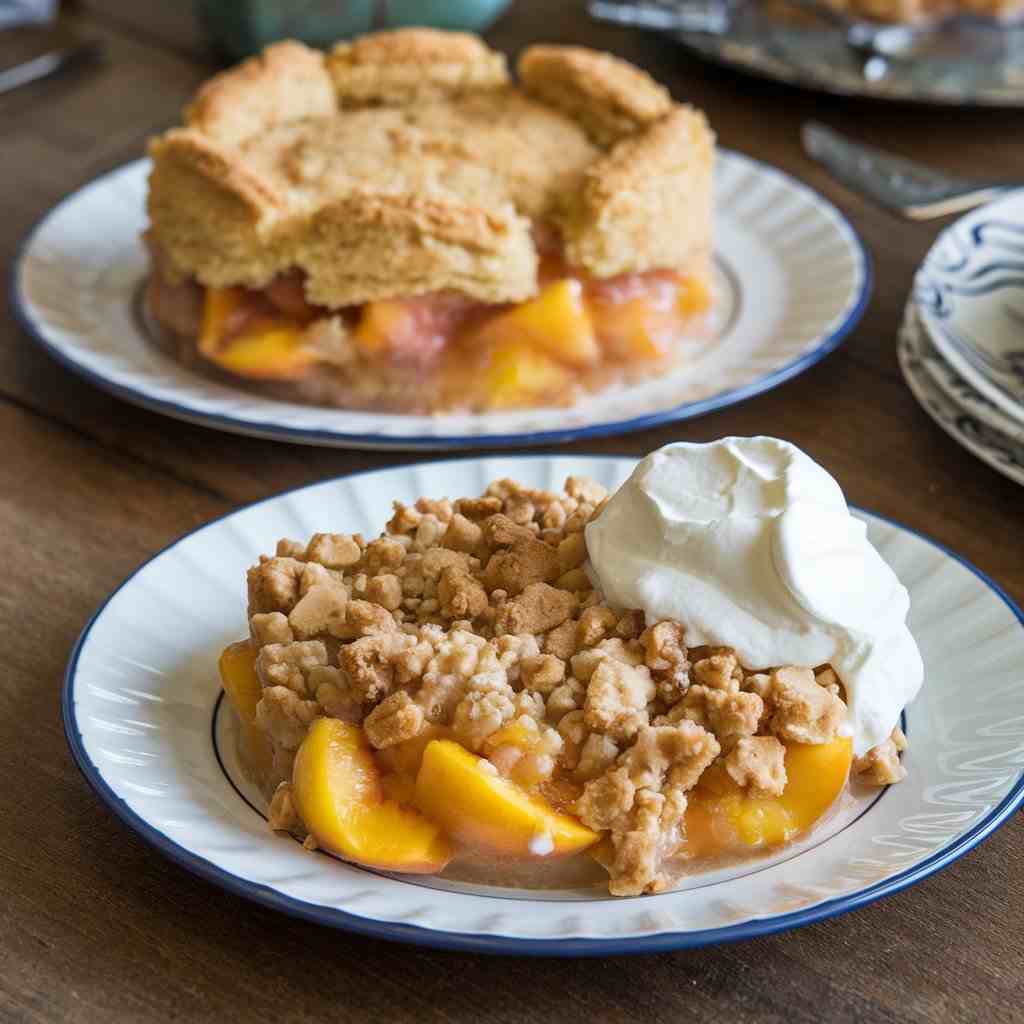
[96, 926]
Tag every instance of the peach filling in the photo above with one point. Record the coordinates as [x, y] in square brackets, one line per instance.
[411, 807]
[722, 816]
[508, 355]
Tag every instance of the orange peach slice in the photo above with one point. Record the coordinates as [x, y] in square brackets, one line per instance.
[238, 676]
[519, 374]
[268, 347]
[816, 774]
[267, 350]
[555, 322]
[337, 791]
[695, 295]
[218, 305]
[476, 806]
[721, 814]
[242, 686]
[380, 322]
[629, 330]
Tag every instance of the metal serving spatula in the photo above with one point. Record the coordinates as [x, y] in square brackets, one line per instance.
[913, 190]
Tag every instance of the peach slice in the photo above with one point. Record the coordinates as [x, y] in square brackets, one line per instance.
[241, 684]
[415, 328]
[721, 814]
[380, 322]
[218, 306]
[519, 375]
[695, 295]
[555, 322]
[641, 316]
[337, 791]
[266, 348]
[476, 806]
[238, 676]
[630, 331]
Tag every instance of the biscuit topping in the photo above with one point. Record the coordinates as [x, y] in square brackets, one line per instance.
[398, 225]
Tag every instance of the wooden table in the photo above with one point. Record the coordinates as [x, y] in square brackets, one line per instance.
[96, 926]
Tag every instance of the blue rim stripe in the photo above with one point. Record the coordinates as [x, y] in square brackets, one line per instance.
[469, 942]
[282, 432]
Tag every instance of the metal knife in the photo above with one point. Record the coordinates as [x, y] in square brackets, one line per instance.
[48, 64]
[911, 189]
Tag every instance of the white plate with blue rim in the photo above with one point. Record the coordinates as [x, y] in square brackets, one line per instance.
[970, 294]
[144, 720]
[955, 405]
[792, 279]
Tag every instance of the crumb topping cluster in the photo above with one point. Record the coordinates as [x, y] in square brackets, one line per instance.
[477, 615]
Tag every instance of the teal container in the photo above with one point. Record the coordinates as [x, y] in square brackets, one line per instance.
[241, 27]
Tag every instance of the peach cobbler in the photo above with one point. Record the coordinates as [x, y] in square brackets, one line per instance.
[459, 689]
[398, 226]
[912, 11]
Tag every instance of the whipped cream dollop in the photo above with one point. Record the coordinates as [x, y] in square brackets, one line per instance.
[749, 543]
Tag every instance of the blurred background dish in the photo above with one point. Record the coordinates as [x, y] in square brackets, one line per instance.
[241, 27]
[964, 395]
[958, 415]
[966, 61]
[792, 278]
[961, 349]
[970, 294]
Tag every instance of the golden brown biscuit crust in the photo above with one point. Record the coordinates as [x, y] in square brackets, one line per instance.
[431, 181]
[609, 96]
[286, 82]
[412, 65]
[647, 203]
[370, 246]
[211, 216]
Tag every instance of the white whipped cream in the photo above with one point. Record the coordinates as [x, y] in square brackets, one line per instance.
[749, 543]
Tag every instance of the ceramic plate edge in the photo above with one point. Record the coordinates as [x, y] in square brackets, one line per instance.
[918, 390]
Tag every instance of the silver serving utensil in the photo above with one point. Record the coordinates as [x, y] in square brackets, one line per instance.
[711, 16]
[913, 190]
[875, 45]
[48, 64]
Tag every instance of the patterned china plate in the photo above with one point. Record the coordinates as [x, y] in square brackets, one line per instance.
[963, 412]
[142, 716]
[970, 294]
[792, 281]
[964, 395]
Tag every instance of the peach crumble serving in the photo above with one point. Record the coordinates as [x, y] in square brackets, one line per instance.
[460, 690]
[398, 226]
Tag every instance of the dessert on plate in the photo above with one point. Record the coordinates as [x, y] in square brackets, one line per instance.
[927, 10]
[398, 226]
[678, 675]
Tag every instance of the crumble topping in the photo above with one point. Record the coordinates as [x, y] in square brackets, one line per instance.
[880, 766]
[476, 616]
[758, 762]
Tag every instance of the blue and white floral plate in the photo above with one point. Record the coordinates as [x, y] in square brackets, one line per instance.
[792, 280]
[141, 714]
[970, 294]
[966, 414]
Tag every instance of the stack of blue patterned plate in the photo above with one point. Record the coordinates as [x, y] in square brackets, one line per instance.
[962, 344]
